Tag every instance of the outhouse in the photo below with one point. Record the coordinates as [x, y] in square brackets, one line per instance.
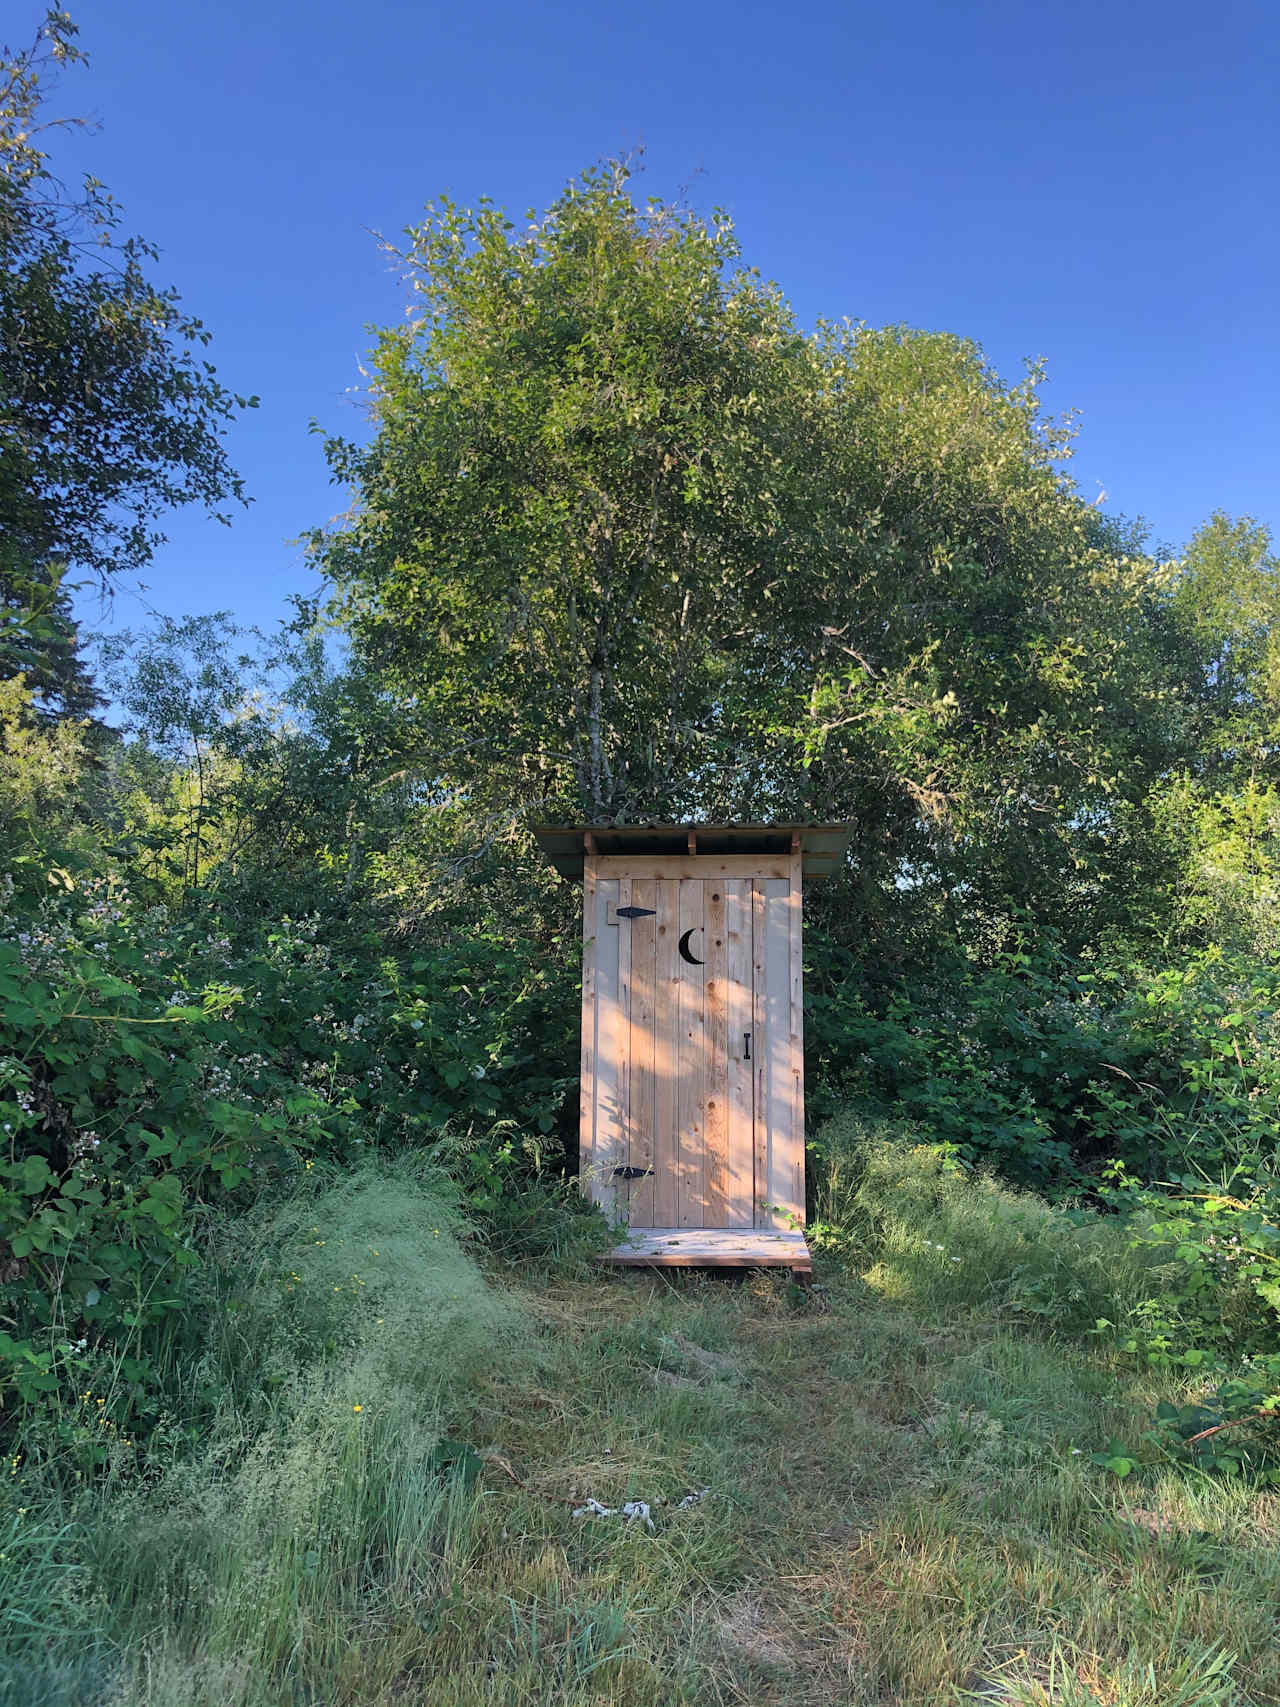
[692, 1103]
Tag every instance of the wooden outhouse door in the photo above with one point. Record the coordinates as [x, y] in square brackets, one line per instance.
[693, 1112]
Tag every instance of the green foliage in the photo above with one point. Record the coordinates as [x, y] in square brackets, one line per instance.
[1217, 1315]
[948, 1239]
[466, 1038]
[1176, 1279]
[588, 454]
[132, 1098]
[42, 776]
[1213, 816]
[1225, 598]
[288, 1004]
[301, 1471]
[542, 1220]
[627, 544]
[211, 753]
[110, 412]
[975, 623]
[41, 642]
[126, 1103]
[1047, 1066]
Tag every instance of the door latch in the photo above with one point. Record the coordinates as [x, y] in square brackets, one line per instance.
[632, 1173]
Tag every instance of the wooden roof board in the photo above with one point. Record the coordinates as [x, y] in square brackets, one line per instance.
[822, 846]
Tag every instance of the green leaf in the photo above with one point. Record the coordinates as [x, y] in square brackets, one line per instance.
[33, 1176]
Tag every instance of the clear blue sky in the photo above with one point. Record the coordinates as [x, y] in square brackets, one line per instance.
[1094, 183]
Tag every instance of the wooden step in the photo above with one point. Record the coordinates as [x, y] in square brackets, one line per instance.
[710, 1247]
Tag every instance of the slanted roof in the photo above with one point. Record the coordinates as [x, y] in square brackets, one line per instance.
[822, 846]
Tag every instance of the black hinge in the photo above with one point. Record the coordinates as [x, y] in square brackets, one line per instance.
[632, 1173]
[636, 912]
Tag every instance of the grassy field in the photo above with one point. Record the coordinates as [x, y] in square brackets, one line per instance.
[900, 1505]
[902, 1510]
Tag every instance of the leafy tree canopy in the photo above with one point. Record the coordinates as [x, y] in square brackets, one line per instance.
[1226, 596]
[109, 413]
[628, 543]
[582, 470]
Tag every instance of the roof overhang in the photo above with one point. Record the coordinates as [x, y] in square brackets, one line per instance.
[822, 846]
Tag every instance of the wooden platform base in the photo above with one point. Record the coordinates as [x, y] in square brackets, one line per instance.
[705, 1247]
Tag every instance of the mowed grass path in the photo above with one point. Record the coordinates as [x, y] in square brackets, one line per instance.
[902, 1509]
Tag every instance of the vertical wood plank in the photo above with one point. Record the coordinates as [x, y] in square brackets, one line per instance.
[780, 1178]
[692, 1096]
[740, 1149]
[609, 1148]
[760, 1057]
[587, 1086]
[641, 1126]
[716, 1123]
[666, 1056]
[621, 1196]
[794, 909]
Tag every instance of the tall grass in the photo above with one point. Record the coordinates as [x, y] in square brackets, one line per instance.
[341, 1326]
[950, 1240]
[901, 1503]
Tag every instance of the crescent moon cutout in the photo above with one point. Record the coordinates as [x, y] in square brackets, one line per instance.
[685, 951]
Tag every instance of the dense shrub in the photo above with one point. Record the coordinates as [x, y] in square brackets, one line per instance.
[1217, 1314]
[152, 1065]
[1175, 1279]
[300, 1466]
[947, 1238]
[1048, 1067]
[126, 1098]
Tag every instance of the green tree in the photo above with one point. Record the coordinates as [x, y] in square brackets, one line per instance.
[1216, 814]
[972, 667]
[626, 543]
[1225, 596]
[109, 412]
[42, 770]
[588, 451]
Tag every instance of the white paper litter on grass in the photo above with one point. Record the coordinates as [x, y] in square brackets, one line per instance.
[636, 1511]
[632, 1511]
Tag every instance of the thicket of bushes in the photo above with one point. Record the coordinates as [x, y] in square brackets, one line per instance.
[294, 1473]
[1049, 1065]
[152, 1066]
[1181, 1277]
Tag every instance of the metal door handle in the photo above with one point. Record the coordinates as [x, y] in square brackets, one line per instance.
[746, 1046]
